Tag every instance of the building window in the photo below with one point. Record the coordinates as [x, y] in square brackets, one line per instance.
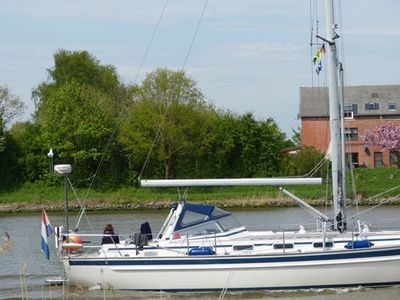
[352, 160]
[374, 95]
[351, 134]
[348, 115]
[378, 159]
[392, 107]
[372, 106]
[393, 158]
[348, 111]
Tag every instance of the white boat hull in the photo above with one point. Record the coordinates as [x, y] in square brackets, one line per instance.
[365, 267]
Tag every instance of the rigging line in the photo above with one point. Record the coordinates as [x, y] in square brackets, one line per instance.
[327, 188]
[120, 114]
[380, 204]
[80, 204]
[316, 167]
[349, 161]
[178, 90]
[153, 143]
[376, 206]
[82, 210]
[151, 41]
[102, 159]
[135, 80]
[194, 35]
[316, 170]
[311, 50]
[116, 125]
[342, 48]
[312, 11]
[311, 23]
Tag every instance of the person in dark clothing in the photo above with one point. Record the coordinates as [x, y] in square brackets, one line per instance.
[110, 237]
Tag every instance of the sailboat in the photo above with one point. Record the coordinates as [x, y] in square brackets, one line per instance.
[204, 248]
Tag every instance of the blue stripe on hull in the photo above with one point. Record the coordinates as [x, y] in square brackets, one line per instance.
[256, 245]
[286, 288]
[215, 260]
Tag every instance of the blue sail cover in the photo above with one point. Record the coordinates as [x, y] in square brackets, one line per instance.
[195, 214]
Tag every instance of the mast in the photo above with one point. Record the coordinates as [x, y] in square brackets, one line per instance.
[334, 120]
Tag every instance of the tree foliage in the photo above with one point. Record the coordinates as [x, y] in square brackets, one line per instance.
[10, 107]
[296, 136]
[82, 67]
[256, 147]
[167, 121]
[162, 126]
[78, 111]
[31, 157]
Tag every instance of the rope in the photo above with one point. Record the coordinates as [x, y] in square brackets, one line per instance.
[119, 119]
[321, 78]
[81, 206]
[339, 6]
[383, 202]
[151, 41]
[194, 35]
[327, 188]
[316, 168]
[154, 141]
[178, 90]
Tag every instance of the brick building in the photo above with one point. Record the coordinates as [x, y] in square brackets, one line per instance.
[365, 107]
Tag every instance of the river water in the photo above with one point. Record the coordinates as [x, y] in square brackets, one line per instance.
[24, 268]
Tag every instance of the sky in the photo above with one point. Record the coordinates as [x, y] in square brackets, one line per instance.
[248, 55]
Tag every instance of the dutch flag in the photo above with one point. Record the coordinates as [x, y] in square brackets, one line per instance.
[47, 230]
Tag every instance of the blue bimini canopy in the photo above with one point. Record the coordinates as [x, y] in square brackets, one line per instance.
[195, 214]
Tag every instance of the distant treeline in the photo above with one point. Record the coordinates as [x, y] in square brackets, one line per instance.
[114, 132]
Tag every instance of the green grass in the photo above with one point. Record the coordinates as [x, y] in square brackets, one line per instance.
[369, 182]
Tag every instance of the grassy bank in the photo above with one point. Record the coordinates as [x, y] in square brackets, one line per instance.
[369, 182]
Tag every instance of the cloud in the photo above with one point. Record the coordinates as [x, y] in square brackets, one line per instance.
[85, 10]
[247, 53]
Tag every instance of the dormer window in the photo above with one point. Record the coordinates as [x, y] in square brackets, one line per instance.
[371, 106]
[375, 95]
[392, 107]
[348, 111]
[348, 115]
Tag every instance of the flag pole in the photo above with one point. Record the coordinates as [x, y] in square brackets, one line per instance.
[64, 170]
[66, 202]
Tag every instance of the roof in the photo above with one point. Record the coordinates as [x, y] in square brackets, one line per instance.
[366, 100]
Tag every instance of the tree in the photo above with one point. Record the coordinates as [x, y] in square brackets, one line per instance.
[10, 107]
[83, 68]
[246, 147]
[78, 111]
[261, 144]
[386, 136]
[296, 136]
[2, 136]
[167, 120]
[303, 162]
[31, 156]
